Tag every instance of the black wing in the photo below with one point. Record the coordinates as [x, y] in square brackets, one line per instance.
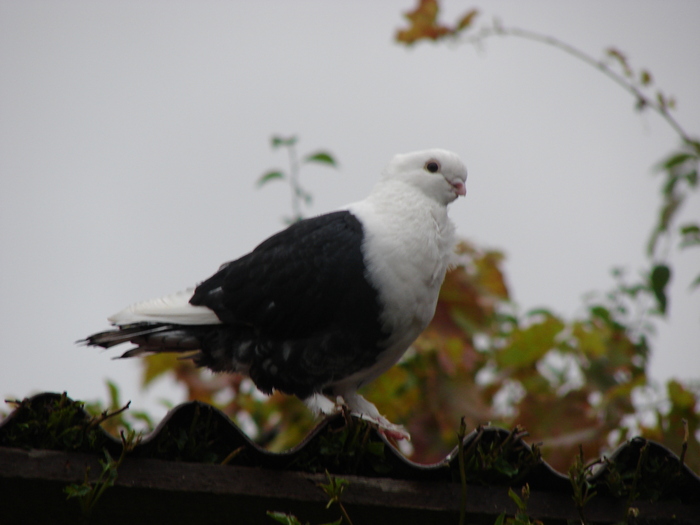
[296, 282]
[305, 295]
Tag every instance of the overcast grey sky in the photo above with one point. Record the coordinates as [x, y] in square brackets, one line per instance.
[131, 134]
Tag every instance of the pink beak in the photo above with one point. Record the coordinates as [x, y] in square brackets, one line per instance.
[460, 188]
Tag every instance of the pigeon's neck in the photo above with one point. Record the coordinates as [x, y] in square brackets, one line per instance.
[401, 199]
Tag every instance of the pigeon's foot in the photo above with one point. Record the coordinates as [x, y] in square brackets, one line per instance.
[356, 405]
[385, 427]
[366, 411]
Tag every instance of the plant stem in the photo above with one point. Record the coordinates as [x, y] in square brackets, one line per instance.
[498, 30]
[294, 181]
[462, 473]
[684, 448]
[106, 415]
[344, 513]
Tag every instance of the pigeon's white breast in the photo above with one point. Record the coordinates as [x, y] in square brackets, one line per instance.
[409, 241]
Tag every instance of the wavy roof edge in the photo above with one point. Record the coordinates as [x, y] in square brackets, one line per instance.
[198, 432]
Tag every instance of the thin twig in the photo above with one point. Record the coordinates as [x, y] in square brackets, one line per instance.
[684, 447]
[294, 181]
[462, 473]
[498, 30]
[107, 415]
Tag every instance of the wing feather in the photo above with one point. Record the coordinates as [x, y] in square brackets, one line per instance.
[298, 282]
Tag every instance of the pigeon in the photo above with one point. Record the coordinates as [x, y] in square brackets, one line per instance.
[324, 306]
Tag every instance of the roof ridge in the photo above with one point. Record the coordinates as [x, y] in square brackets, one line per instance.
[198, 432]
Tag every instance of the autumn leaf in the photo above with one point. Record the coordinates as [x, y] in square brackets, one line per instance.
[423, 24]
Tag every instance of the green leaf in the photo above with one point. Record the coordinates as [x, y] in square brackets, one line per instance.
[517, 499]
[270, 175]
[680, 396]
[322, 157]
[591, 339]
[278, 141]
[660, 277]
[675, 160]
[694, 146]
[113, 394]
[77, 491]
[281, 517]
[530, 344]
[601, 313]
[670, 185]
[673, 164]
[690, 234]
[144, 417]
[467, 20]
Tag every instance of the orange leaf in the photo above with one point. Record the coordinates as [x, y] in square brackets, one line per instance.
[423, 24]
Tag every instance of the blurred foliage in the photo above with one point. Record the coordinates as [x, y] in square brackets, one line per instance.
[299, 194]
[89, 492]
[56, 422]
[574, 384]
[521, 516]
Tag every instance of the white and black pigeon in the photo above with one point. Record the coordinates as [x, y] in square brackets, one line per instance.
[324, 306]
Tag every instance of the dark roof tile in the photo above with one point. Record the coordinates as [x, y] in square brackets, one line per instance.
[199, 433]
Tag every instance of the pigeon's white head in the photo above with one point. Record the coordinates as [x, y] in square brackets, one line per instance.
[438, 173]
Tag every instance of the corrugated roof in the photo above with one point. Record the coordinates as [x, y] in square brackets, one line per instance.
[639, 472]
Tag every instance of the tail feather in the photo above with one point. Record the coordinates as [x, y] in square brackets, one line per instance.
[149, 337]
[207, 345]
[124, 334]
[170, 309]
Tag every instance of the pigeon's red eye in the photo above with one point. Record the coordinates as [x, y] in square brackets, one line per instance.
[432, 166]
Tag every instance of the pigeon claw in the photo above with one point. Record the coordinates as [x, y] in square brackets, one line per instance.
[385, 427]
